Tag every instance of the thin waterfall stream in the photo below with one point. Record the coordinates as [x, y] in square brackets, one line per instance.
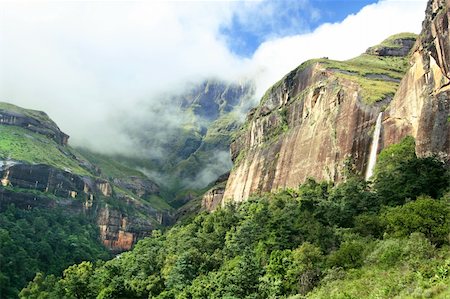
[374, 148]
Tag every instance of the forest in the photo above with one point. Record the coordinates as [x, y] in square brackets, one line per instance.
[379, 239]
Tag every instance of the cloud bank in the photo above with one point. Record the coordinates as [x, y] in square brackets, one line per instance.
[96, 67]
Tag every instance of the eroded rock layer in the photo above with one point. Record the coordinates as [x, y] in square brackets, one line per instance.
[421, 107]
[321, 116]
[308, 127]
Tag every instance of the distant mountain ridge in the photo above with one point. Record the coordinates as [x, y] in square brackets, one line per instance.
[39, 169]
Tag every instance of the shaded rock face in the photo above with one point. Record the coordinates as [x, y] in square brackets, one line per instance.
[23, 200]
[213, 199]
[401, 47]
[421, 106]
[308, 126]
[29, 186]
[42, 125]
[214, 196]
[44, 178]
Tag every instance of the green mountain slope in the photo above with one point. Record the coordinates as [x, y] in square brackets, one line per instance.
[59, 206]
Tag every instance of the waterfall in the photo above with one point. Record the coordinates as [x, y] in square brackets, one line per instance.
[374, 148]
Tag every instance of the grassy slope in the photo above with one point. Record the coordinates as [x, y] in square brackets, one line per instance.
[39, 115]
[22, 145]
[19, 144]
[390, 41]
[361, 68]
[409, 277]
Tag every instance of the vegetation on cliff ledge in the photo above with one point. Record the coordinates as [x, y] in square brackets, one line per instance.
[352, 240]
[23, 145]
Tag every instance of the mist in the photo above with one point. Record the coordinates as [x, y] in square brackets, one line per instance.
[101, 69]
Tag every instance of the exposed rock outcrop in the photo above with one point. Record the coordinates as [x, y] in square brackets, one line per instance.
[307, 127]
[119, 232]
[398, 45]
[312, 123]
[47, 179]
[35, 121]
[316, 119]
[28, 186]
[214, 196]
[421, 107]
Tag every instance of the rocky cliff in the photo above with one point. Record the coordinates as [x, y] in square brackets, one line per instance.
[313, 122]
[321, 117]
[214, 196]
[38, 170]
[35, 121]
[421, 107]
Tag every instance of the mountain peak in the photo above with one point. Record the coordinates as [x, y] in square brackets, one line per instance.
[395, 45]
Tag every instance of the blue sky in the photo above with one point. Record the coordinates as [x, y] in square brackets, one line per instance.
[283, 18]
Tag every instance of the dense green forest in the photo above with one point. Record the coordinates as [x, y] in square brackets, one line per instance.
[43, 240]
[381, 239]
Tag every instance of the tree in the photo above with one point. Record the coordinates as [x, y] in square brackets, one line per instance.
[75, 281]
[401, 176]
[425, 215]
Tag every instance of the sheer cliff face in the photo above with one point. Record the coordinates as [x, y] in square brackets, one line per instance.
[321, 116]
[421, 106]
[307, 127]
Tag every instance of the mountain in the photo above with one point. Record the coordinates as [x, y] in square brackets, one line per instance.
[39, 169]
[306, 212]
[315, 119]
[322, 116]
[192, 141]
[421, 106]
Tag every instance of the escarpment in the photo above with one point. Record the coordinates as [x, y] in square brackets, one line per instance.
[39, 170]
[32, 120]
[316, 120]
[321, 117]
[421, 107]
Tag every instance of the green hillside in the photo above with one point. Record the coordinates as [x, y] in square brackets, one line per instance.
[23, 145]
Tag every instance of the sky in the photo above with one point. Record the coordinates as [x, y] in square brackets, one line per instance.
[98, 66]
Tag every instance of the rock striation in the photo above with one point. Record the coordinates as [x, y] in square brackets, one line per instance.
[214, 196]
[29, 186]
[35, 121]
[320, 118]
[118, 206]
[421, 107]
[310, 124]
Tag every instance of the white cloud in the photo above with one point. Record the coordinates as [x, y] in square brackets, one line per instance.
[339, 41]
[92, 65]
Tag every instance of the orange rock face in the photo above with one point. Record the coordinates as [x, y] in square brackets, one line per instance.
[114, 230]
[319, 122]
[313, 122]
[421, 106]
[212, 199]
